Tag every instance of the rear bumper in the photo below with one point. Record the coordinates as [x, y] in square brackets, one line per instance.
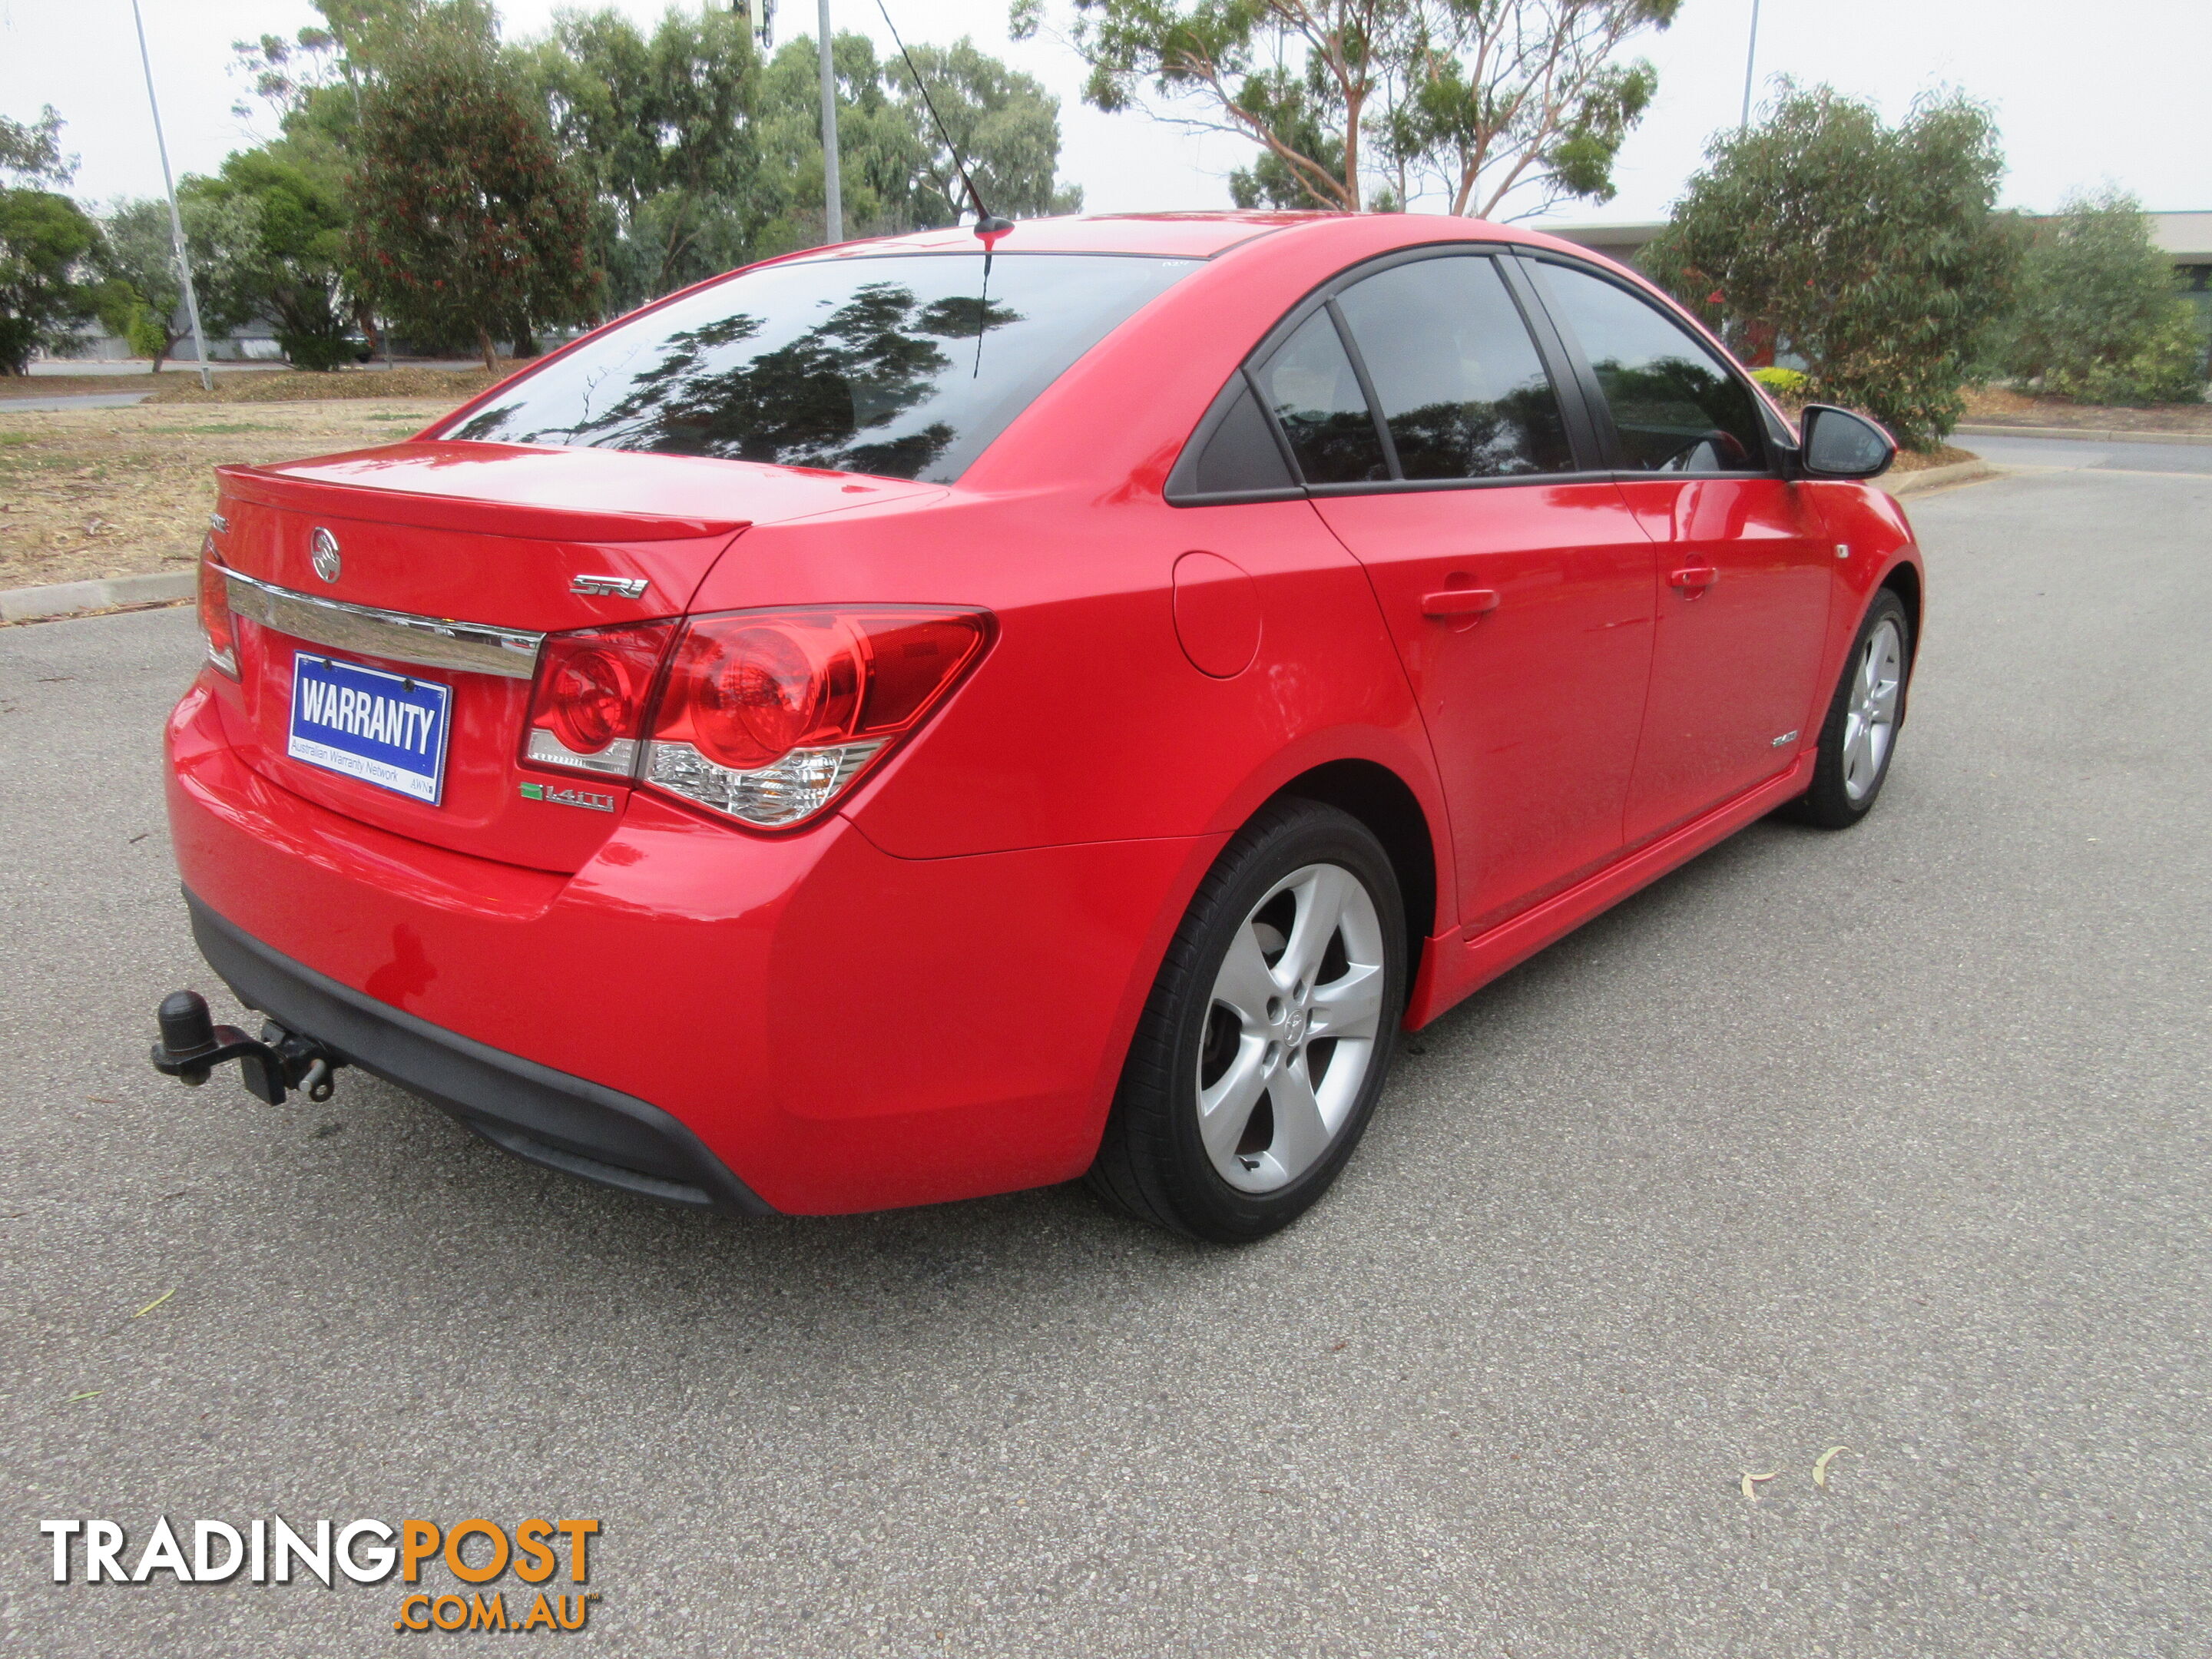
[531, 1110]
[803, 1019]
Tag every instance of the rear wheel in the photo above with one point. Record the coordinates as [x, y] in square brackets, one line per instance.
[1268, 1033]
[1860, 734]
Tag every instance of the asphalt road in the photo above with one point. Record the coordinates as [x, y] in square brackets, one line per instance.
[2075, 454]
[78, 400]
[1894, 1139]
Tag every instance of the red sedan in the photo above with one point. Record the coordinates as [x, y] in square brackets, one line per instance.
[921, 719]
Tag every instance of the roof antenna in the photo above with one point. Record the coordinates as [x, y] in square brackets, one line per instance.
[987, 226]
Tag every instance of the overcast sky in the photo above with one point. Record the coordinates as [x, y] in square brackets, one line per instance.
[2083, 97]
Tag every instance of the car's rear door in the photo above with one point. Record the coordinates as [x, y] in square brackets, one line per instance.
[1743, 566]
[1435, 441]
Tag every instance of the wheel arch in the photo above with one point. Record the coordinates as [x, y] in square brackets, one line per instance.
[1904, 581]
[1382, 800]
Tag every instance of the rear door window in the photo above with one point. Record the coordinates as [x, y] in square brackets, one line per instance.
[1312, 389]
[905, 366]
[1463, 390]
[1676, 407]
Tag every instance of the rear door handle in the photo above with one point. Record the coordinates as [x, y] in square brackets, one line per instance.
[1460, 602]
[1695, 579]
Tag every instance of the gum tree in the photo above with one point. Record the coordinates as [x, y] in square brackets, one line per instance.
[663, 127]
[1483, 101]
[143, 298]
[465, 223]
[49, 247]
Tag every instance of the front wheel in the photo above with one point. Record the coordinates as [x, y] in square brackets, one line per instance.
[1268, 1033]
[1860, 733]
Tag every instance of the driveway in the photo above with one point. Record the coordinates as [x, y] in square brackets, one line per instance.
[1894, 1139]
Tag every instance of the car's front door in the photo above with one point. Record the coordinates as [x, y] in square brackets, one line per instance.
[1744, 569]
[1520, 595]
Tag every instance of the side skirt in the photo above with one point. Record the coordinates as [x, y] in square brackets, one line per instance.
[1453, 966]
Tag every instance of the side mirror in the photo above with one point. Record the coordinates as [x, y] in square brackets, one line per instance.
[1838, 444]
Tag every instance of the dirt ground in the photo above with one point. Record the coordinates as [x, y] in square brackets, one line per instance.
[116, 492]
[1912, 461]
[1994, 406]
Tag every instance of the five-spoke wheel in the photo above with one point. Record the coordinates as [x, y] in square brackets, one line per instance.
[1858, 738]
[1268, 1033]
[1291, 1031]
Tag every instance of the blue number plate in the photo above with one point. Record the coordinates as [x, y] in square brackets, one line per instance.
[385, 729]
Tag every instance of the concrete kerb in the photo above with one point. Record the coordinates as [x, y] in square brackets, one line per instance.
[1939, 478]
[19, 604]
[2084, 435]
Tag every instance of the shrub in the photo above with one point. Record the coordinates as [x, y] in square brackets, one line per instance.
[149, 336]
[318, 352]
[2098, 317]
[1790, 383]
[1871, 251]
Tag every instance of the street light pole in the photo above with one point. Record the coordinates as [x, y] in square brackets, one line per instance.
[833, 206]
[1750, 57]
[177, 219]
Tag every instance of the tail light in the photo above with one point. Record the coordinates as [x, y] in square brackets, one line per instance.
[768, 716]
[764, 716]
[216, 624]
[587, 708]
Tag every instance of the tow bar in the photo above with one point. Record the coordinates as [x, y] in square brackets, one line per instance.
[192, 1045]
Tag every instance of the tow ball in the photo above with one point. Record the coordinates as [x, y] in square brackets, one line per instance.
[192, 1045]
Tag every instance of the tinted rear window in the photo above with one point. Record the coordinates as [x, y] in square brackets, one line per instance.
[903, 365]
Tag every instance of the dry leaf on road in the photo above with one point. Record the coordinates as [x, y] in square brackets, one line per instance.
[1821, 1466]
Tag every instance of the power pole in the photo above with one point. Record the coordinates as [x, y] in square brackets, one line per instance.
[177, 219]
[833, 205]
[1750, 57]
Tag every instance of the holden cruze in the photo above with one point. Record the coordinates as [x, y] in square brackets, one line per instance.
[937, 716]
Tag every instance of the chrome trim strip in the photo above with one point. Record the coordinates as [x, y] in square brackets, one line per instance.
[426, 641]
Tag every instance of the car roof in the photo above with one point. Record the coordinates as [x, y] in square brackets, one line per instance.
[1175, 236]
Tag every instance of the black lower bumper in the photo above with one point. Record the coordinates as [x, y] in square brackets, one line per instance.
[531, 1110]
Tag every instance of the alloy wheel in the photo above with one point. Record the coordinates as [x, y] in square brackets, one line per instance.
[1870, 716]
[1291, 1030]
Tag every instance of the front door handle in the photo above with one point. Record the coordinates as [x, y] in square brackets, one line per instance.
[1695, 578]
[1460, 602]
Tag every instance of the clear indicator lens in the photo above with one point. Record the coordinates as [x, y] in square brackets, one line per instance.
[795, 787]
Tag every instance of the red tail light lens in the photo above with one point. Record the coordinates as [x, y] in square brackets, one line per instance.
[587, 708]
[216, 624]
[770, 716]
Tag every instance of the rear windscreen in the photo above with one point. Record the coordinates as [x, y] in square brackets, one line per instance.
[905, 366]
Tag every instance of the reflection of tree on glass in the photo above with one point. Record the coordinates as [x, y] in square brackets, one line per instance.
[1483, 440]
[1665, 409]
[866, 365]
[804, 403]
[1676, 409]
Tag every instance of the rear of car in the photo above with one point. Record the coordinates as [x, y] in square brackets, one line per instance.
[472, 790]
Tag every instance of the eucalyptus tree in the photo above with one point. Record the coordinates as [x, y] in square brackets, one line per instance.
[1361, 103]
[50, 248]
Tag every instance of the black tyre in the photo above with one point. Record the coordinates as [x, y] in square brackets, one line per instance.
[1859, 736]
[1268, 1033]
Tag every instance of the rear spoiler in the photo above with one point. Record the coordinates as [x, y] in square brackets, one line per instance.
[379, 504]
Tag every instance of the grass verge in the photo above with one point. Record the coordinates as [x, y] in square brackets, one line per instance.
[86, 493]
